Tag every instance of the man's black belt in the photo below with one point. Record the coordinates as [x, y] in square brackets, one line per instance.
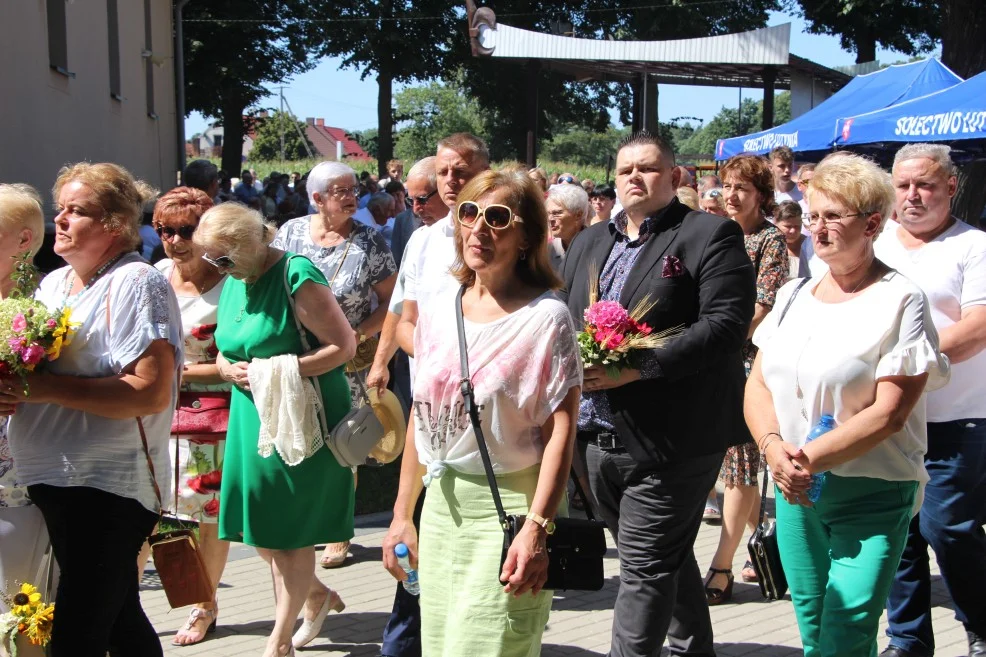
[607, 441]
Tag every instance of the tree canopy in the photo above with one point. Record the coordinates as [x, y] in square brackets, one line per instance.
[267, 140]
[430, 112]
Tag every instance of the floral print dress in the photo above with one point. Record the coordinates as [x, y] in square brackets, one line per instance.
[768, 251]
[200, 465]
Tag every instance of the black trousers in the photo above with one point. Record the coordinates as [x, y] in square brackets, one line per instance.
[96, 537]
[655, 513]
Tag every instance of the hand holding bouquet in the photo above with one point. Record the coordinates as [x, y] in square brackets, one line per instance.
[613, 335]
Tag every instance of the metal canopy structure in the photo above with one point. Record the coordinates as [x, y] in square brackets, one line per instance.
[755, 59]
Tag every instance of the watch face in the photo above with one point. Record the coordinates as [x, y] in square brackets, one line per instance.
[550, 527]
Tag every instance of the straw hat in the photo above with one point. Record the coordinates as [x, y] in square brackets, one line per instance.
[389, 411]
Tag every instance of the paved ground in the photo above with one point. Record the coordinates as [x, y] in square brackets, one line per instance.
[579, 627]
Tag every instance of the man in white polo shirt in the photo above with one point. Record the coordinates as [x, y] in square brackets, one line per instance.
[947, 259]
[424, 273]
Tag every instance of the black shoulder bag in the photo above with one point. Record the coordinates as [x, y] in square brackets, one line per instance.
[576, 547]
[764, 551]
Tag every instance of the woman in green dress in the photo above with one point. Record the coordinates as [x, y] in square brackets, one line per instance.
[281, 510]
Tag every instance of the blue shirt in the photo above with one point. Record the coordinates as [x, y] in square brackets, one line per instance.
[594, 410]
[245, 193]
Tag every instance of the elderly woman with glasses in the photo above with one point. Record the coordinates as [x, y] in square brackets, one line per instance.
[856, 344]
[356, 261]
[198, 286]
[283, 510]
[525, 366]
[89, 432]
[568, 212]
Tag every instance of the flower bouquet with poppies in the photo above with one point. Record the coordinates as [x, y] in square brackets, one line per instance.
[30, 333]
[614, 335]
[29, 615]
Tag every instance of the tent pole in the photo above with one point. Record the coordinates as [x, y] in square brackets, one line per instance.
[769, 79]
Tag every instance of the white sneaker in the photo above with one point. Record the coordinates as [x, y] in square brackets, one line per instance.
[712, 513]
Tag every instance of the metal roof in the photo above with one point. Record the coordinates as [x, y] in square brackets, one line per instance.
[729, 60]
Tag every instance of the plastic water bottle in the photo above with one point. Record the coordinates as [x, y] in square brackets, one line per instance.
[825, 424]
[411, 583]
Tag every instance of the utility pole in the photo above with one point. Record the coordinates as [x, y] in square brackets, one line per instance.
[280, 121]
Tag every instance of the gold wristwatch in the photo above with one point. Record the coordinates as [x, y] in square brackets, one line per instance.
[547, 525]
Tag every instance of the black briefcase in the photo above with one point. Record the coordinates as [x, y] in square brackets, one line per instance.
[766, 555]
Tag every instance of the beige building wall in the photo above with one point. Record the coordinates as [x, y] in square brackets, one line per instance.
[48, 119]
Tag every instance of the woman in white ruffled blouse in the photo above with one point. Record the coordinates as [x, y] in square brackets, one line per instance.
[857, 344]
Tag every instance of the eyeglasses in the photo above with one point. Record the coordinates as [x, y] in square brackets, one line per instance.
[222, 262]
[343, 192]
[567, 179]
[495, 215]
[167, 232]
[712, 193]
[421, 200]
[812, 219]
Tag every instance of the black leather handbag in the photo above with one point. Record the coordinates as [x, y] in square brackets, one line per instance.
[576, 547]
[764, 551]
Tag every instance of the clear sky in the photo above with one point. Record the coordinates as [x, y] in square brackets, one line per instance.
[344, 100]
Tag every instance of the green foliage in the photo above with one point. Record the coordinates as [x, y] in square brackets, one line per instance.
[727, 124]
[580, 146]
[267, 142]
[430, 112]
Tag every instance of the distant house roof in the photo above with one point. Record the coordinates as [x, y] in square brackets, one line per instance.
[324, 139]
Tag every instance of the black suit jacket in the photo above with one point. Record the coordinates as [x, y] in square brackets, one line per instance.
[695, 406]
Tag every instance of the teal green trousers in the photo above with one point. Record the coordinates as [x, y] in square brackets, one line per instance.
[840, 558]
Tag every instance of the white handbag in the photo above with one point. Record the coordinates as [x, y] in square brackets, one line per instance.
[351, 440]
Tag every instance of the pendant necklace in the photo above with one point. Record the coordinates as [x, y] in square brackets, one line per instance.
[248, 286]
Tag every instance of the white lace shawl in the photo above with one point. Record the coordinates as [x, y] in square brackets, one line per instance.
[288, 407]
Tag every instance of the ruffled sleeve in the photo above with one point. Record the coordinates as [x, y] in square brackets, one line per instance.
[142, 309]
[913, 349]
[561, 369]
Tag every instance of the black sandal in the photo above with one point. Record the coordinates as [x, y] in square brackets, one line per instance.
[749, 566]
[719, 596]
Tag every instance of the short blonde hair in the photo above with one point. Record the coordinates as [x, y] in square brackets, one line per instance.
[525, 198]
[855, 181]
[538, 175]
[688, 196]
[20, 208]
[240, 232]
[120, 196]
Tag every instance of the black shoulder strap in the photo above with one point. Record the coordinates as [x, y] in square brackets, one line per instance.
[473, 411]
[787, 306]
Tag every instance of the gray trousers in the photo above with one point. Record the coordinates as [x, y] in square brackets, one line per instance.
[655, 514]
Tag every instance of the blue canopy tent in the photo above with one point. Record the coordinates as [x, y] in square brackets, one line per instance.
[815, 130]
[954, 114]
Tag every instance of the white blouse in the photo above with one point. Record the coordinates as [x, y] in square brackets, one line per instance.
[835, 353]
[120, 315]
[521, 367]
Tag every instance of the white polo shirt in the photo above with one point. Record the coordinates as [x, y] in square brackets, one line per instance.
[951, 269]
[426, 264]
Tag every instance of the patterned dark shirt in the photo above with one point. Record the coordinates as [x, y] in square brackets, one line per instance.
[594, 411]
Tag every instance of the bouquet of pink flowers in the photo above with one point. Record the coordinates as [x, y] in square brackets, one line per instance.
[30, 333]
[612, 334]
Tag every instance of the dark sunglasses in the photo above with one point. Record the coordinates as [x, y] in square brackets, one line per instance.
[495, 215]
[567, 180]
[421, 200]
[222, 262]
[167, 232]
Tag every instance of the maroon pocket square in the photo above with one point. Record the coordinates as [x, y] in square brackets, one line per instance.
[672, 267]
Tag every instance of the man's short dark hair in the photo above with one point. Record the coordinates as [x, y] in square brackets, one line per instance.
[200, 174]
[644, 138]
[394, 186]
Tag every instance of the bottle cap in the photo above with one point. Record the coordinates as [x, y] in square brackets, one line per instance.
[400, 550]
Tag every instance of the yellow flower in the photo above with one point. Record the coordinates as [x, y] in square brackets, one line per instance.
[26, 600]
[39, 625]
[56, 347]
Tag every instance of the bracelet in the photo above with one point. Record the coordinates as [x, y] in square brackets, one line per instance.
[763, 450]
[769, 433]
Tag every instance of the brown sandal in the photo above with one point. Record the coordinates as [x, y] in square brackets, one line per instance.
[719, 596]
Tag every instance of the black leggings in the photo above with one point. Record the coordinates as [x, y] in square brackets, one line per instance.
[96, 537]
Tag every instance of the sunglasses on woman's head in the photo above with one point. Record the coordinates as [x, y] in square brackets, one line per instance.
[495, 215]
[167, 232]
[567, 180]
[222, 262]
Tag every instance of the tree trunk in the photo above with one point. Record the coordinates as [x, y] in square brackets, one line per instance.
[866, 48]
[233, 132]
[964, 51]
[385, 122]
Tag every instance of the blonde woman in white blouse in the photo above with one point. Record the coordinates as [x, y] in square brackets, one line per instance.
[857, 344]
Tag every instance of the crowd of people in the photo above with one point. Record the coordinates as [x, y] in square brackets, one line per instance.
[799, 292]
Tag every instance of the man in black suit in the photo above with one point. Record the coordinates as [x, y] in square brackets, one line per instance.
[655, 436]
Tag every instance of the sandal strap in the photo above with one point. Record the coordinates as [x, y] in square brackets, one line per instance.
[721, 571]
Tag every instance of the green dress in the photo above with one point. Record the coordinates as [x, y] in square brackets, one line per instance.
[264, 502]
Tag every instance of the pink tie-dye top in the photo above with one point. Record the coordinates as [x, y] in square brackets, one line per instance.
[521, 367]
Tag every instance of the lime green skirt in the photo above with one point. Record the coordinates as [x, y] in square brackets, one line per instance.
[464, 610]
